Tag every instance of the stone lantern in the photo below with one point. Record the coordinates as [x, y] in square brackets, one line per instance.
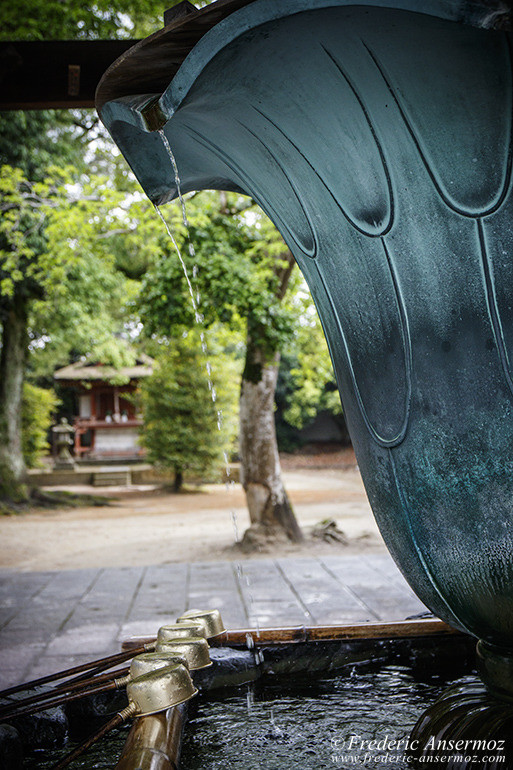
[64, 434]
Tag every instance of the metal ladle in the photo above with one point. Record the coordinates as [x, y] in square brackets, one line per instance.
[181, 630]
[149, 693]
[195, 650]
[141, 664]
[210, 618]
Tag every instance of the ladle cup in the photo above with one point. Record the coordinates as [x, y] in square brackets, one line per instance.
[181, 630]
[210, 618]
[194, 649]
[159, 689]
[149, 693]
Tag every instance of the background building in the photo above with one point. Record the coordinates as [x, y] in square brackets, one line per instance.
[107, 422]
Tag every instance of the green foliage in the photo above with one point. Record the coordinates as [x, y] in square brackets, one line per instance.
[180, 417]
[239, 255]
[74, 19]
[16, 252]
[38, 407]
[238, 259]
[311, 385]
[34, 140]
[58, 248]
[59, 243]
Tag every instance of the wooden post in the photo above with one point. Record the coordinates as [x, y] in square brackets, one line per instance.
[116, 415]
[77, 447]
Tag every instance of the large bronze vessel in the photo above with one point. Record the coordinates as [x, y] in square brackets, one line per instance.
[377, 137]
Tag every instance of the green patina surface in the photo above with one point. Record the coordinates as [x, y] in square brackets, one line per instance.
[378, 140]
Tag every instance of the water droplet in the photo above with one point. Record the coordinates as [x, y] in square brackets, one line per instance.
[235, 526]
[199, 319]
[249, 700]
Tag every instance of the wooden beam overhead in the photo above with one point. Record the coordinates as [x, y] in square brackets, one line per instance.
[37, 75]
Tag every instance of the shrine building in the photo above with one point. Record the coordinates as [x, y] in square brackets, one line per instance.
[106, 422]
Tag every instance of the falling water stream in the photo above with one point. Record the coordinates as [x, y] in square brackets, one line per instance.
[306, 721]
[199, 319]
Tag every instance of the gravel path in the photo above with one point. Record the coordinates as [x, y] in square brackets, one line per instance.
[146, 526]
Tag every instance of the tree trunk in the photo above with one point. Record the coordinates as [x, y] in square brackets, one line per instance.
[12, 369]
[270, 511]
[178, 482]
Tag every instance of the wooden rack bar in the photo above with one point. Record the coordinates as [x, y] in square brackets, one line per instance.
[395, 630]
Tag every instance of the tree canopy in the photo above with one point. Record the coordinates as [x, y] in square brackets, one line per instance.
[77, 20]
[237, 250]
[87, 267]
[235, 270]
[189, 423]
[56, 250]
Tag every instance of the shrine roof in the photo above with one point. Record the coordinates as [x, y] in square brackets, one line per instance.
[90, 370]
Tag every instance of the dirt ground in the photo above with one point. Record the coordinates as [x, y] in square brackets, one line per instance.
[150, 526]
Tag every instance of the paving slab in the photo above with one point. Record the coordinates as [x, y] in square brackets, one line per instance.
[377, 584]
[54, 620]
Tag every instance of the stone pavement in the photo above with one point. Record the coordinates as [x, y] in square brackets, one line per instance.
[53, 620]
